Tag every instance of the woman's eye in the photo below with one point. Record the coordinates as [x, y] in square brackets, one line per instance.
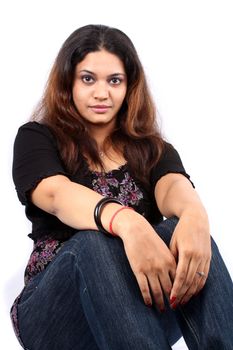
[87, 79]
[115, 81]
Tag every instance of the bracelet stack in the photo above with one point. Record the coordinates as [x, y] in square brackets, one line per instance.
[98, 210]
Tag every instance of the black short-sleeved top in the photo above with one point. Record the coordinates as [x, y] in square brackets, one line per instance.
[36, 156]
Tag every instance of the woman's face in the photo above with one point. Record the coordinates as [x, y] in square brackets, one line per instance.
[99, 88]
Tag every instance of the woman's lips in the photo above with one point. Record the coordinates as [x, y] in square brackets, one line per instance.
[100, 108]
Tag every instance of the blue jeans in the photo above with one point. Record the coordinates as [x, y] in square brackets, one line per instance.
[88, 299]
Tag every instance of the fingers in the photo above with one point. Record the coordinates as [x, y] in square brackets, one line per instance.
[159, 287]
[181, 282]
[153, 289]
[166, 283]
[144, 288]
[198, 283]
[157, 293]
[190, 279]
[202, 279]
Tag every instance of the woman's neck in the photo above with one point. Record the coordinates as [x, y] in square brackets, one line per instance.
[100, 132]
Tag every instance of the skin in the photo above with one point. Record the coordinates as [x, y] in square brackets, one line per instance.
[157, 268]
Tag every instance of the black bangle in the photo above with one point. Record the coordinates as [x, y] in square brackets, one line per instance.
[98, 210]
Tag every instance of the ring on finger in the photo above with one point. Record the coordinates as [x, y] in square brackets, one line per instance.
[200, 274]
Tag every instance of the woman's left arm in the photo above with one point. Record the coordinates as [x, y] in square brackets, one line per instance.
[190, 243]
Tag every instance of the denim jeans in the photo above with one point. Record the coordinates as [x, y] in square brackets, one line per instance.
[88, 299]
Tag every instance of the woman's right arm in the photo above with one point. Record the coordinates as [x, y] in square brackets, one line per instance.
[71, 203]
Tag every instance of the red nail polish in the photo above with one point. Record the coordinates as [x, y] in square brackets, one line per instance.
[149, 305]
[162, 309]
[172, 300]
[174, 306]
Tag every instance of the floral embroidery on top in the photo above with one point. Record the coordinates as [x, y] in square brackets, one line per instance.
[44, 251]
[104, 185]
[125, 189]
[129, 192]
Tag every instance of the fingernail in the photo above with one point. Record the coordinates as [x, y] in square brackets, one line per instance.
[172, 300]
[174, 306]
[149, 305]
[162, 309]
[183, 303]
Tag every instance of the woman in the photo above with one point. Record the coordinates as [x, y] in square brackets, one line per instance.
[97, 178]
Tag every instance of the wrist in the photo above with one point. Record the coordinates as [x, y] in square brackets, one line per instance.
[123, 222]
[102, 215]
[194, 211]
[197, 215]
[127, 223]
[114, 216]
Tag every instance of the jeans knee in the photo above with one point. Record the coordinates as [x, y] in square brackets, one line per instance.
[218, 270]
[215, 254]
[93, 243]
[214, 246]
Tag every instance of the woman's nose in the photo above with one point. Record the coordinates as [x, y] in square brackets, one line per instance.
[101, 91]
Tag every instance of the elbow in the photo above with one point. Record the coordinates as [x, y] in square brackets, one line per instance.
[58, 198]
[49, 193]
[54, 209]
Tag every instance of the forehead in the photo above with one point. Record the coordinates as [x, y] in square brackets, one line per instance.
[101, 62]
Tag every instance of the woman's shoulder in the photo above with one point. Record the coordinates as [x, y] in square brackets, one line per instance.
[34, 126]
[33, 135]
[34, 129]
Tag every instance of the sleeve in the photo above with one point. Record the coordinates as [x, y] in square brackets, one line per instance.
[35, 157]
[169, 162]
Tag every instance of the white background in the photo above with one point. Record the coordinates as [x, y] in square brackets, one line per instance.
[186, 49]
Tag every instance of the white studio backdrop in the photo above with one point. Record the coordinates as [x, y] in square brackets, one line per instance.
[186, 49]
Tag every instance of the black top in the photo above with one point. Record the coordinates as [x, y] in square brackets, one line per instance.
[36, 157]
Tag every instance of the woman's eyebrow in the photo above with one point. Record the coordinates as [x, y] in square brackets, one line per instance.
[86, 71]
[109, 76]
[116, 74]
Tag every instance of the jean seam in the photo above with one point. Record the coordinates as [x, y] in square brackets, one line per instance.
[87, 291]
[190, 326]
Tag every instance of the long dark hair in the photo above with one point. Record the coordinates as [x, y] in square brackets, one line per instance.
[136, 132]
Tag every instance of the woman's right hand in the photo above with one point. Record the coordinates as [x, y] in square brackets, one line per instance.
[150, 259]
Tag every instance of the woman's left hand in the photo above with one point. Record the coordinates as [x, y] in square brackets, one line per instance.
[191, 247]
